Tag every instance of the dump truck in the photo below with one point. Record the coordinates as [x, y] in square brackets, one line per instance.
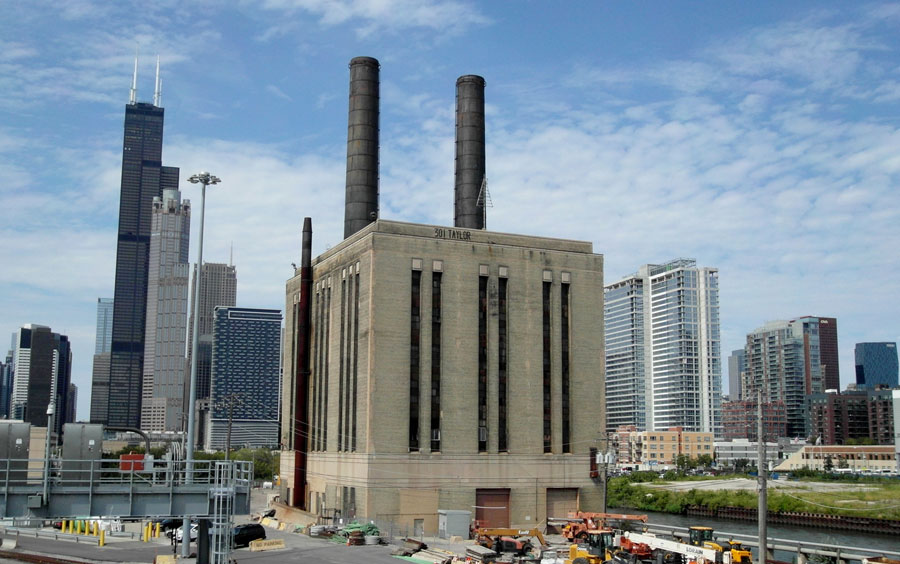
[635, 547]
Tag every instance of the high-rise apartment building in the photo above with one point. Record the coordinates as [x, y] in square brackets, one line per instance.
[839, 417]
[662, 339]
[100, 371]
[218, 287]
[784, 359]
[828, 351]
[736, 364]
[626, 383]
[876, 365]
[43, 372]
[246, 373]
[143, 179]
[162, 405]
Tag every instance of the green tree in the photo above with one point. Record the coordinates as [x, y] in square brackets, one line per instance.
[681, 462]
[829, 464]
[704, 460]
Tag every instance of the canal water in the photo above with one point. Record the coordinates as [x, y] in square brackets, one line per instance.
[807, 534]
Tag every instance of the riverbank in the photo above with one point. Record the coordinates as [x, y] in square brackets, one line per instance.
[850, 500]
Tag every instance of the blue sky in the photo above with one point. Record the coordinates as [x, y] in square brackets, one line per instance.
[761, 138]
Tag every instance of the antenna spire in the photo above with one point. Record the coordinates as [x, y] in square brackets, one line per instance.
[133, 98]
[157, 94]
[231, 255]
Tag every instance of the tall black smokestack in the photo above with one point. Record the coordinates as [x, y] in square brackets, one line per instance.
[361, 202]
[302, 346]
[468, 211]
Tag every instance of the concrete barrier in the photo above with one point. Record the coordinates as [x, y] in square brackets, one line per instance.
[263, 545]
[9, 544]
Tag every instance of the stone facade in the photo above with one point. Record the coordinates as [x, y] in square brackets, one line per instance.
[376, 449]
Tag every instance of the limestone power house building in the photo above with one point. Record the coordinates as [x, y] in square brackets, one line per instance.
[440, 368]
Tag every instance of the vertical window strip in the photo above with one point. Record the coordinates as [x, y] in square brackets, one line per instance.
[564, 365]
[355, 360]
[346, 310]
[482, 362]
[415, 328]
[547, 365]
[342, 344]
[293, 381]
[325, 366]
[317, 374]
[436, 361]
[502, 352]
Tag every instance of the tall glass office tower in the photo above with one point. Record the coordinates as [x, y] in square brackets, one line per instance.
[143, 178]
[876, 365]
[162, 405]
[100, 371]
[663, 363]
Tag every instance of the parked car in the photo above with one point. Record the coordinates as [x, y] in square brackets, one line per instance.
[243, 534]
[179, 533]
[168, 524]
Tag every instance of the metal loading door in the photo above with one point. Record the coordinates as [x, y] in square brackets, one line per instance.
[492, 508]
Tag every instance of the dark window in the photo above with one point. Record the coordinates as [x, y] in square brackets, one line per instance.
[482, 362]
[355, 360]
[415, 333]
[342, 431]
[564, 365]
[547, 366]
[436, 361]
[502, 352]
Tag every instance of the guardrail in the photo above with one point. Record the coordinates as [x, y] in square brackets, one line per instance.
[802, 549]
[53, 535]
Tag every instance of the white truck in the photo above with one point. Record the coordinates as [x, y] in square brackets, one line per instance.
[669, 551]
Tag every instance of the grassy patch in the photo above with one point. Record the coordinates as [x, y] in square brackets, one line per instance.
[879, 500]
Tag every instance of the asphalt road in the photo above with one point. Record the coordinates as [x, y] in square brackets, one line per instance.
[300, 548]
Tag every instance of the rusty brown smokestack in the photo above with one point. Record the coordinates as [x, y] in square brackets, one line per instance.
[302, 348]
[361, 199]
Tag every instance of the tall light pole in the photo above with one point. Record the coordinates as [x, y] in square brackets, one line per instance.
[204, 179]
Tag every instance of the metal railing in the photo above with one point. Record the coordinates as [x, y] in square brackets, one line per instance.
[15, 473]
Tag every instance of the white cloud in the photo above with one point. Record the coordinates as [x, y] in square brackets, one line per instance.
[371, 16]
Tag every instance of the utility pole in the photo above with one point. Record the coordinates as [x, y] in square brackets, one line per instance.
[761, 472]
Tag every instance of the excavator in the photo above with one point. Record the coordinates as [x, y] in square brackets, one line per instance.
[510, 540]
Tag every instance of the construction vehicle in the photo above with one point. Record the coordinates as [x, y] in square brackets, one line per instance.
[703, 536]
[581, 522]
[596, 547]
[636, 547]
[510, 540]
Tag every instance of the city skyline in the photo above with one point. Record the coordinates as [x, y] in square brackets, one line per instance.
[760, 139]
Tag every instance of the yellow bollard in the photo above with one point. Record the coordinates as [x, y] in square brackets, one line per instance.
[96, 529]
[78, 527]
[146, 532]
[156, 532]
[102, 537]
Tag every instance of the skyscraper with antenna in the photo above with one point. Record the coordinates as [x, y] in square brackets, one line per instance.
[143, 179]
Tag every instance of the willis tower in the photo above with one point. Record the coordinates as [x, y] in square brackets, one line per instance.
[143, 178]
